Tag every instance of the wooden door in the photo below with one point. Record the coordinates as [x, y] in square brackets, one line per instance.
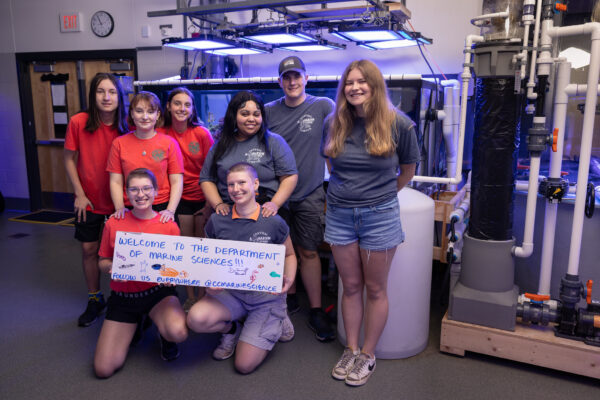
[56, 97]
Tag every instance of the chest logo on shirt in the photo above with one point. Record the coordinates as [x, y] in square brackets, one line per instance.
[260, 237]
[158, 154]
[194, 147]
[305, 123]
[253, 156]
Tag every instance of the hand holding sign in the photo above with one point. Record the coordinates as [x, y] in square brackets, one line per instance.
[182, 260]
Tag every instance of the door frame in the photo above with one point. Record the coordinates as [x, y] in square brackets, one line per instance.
[26, 102]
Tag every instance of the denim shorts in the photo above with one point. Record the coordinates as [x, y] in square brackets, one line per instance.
[264, 314]
[375, 227]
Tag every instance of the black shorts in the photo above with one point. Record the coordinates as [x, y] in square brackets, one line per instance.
[91, 229]
[131, 307]
[189, 207]
[307, 220]
[264, 197]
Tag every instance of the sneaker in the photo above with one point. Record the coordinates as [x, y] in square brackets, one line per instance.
[169, 351]
[345, 363]
[189, 303]
[361, 371]
[226, 348]
[319, 322]
[92, 311]
[287, 330]
[292, 304]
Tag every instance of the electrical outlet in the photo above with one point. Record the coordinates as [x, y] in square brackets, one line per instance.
[166, 30]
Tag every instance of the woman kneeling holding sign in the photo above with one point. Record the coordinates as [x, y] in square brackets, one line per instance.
[265, 313]
[131, 300]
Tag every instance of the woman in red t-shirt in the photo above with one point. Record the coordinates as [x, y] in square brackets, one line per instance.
[87, 144]
[146, 148]
[130, 301]
[183, 125]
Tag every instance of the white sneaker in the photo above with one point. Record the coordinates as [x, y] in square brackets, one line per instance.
[345, 363]
[287, 330]
[361, 371]
[226, 348]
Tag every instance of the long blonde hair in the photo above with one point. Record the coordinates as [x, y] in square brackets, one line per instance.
[380, 114]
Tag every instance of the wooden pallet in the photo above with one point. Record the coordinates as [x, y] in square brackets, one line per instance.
[530, 344]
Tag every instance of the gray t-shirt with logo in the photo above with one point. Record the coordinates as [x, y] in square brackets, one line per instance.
[270, 164]
[359, 179]
[302, 128]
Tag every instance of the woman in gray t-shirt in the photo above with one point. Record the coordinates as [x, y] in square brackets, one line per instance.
[244, 137]
[372, 149]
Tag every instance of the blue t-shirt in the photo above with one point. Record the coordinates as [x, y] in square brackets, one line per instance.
[359, 179]
[264, 230]
[302, 127]
[270, 165]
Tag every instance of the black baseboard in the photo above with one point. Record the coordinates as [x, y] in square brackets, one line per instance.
[17, 204]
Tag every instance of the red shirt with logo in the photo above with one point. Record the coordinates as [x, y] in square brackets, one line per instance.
[93, 149]
[160, 154]
[130, 223]
[194, 143]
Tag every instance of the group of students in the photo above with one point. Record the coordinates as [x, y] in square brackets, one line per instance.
[257, 177]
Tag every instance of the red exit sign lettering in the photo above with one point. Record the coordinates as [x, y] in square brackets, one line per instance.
[70, 22]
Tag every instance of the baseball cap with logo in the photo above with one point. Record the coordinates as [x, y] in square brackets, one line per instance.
[291, 63]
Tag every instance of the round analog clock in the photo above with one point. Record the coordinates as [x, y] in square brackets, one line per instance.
[102, 23]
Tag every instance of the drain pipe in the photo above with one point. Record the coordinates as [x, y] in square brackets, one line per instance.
[465, 77]
[563, 76]
[531, 95]
[537, 138]
[593, 29]
[527, 19]
[448, 132]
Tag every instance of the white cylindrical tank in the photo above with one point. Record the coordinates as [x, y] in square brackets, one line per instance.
[406, 332]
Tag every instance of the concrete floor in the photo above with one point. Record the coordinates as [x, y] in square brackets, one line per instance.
[44, 355]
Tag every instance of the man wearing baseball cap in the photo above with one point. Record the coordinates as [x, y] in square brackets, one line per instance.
[299, 118]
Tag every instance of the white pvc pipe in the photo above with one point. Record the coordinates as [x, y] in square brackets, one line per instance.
[593, 29]
[447, 131]
[527, 21]
[478, 21]
[527, 247]
[465, 77]
[531, 95]
[577, 90]
[561, 100]
[261, 79]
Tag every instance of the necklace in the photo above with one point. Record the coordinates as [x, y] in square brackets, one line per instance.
[144, 138]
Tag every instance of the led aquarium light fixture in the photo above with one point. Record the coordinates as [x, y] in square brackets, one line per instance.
[278, 36]
[320, 45]
[203, 42]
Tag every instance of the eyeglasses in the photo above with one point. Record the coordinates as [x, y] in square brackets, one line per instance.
[136, 190]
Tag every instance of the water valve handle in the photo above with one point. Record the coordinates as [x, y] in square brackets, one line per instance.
[555, 140]
[588, 295]
[537, 297]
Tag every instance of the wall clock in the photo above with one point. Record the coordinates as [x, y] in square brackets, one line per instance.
[102, 24]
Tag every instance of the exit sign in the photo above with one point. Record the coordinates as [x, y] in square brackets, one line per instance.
[70, 22]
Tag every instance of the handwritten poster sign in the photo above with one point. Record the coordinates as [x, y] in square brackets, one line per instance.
[183, 260]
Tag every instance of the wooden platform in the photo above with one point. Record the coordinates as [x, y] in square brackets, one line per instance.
[535, 345]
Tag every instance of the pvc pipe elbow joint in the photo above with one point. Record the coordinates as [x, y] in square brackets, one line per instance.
[524, 251]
